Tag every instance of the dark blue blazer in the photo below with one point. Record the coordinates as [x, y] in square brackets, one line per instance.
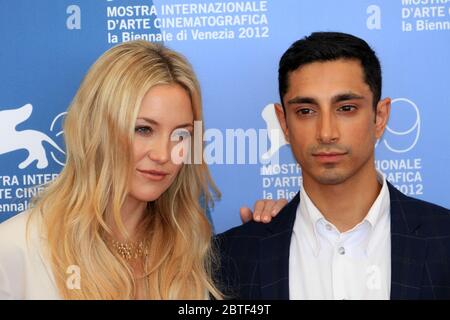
[255, 256]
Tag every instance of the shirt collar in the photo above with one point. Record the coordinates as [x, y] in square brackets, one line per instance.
[380, 209]
[312, 215]
[381, 203]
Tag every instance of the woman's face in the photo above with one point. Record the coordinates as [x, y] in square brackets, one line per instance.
[165, 119]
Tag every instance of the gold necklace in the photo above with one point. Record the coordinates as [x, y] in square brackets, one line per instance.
[130, 250]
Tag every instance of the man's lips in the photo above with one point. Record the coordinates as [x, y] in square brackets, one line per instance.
[329, 156]
[154, 175]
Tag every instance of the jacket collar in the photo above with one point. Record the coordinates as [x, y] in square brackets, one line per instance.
[408, 249]
[274, 253]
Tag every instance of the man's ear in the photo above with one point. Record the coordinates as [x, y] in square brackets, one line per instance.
[279, 111]
[382, 116]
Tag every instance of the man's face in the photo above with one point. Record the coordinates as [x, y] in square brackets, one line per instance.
[329, 120]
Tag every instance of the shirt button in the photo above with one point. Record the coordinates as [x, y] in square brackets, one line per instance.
[328, 227]
[341, 250]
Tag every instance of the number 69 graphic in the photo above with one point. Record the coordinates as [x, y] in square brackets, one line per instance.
[415, 126]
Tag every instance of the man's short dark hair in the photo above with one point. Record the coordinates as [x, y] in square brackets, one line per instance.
[329, 46]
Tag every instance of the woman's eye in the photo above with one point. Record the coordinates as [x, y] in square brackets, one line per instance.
[143, 130]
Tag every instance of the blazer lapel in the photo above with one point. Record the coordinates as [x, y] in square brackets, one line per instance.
[408, 249]
[274, 253]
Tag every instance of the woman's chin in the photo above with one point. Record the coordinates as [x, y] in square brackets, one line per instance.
[147, 197]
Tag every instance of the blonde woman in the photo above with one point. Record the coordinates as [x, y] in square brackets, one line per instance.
[122, 220]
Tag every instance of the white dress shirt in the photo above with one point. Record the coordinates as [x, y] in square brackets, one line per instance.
[24, 269]
[327, 264]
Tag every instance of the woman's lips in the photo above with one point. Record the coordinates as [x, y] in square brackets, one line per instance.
[154, 175]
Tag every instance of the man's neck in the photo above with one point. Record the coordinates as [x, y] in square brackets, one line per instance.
[345, 204]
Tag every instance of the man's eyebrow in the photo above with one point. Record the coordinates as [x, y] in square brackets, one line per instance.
[300, 99]
[337, 98]
[346, 96]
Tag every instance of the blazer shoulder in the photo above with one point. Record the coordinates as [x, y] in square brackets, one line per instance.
[258, 230]
[425, 207]
[250, 229]
[240, 239]
[13, 257]
[435, 219]
[25, 271]
[13, 231]
[20, 235]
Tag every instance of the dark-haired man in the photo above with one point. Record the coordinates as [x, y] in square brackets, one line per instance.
[348, 233]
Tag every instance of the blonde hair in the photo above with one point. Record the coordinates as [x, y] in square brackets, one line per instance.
[99, 132]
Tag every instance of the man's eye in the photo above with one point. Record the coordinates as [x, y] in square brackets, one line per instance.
[347, 108]
[143, 130]
[305, 111]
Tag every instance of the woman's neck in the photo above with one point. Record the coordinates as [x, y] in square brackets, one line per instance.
[133, 214]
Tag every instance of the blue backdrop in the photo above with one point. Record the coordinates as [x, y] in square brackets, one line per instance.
[234, 46]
